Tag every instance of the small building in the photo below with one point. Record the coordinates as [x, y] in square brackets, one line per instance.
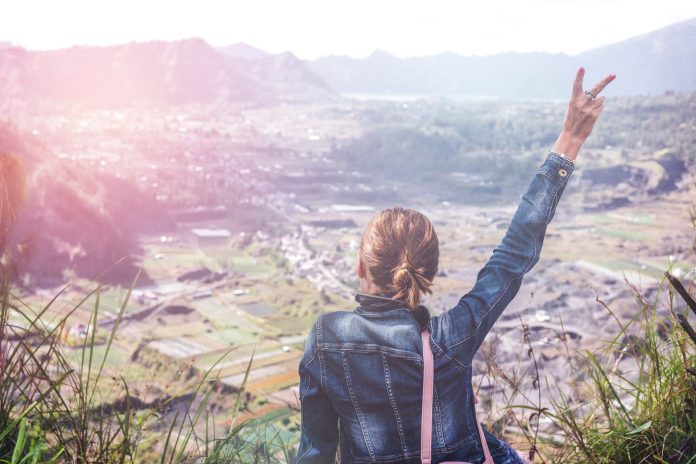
[206, 236]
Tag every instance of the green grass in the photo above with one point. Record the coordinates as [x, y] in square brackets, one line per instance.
[213, 309]
[249, 265]
[55, 400]
[235, 336]
[635, 420]
[623, 234]
[117, 355]
[163, 263]
[621, 419]
[632, 400]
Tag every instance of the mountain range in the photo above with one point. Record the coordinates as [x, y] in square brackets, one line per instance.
[153, 74]
[192, 71]
[663, 60]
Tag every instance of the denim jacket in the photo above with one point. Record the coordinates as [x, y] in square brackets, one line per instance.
[362, 371]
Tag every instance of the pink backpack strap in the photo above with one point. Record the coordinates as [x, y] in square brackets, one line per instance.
[427, 406]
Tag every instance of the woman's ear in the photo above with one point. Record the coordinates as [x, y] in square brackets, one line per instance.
[361, 269]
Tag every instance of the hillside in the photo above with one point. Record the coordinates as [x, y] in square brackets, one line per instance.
[151, 74]
[649, 64]
[74, 218]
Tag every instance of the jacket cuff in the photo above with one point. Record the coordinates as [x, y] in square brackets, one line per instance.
[556, 168]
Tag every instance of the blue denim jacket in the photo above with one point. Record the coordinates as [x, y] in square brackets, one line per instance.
[362, 371]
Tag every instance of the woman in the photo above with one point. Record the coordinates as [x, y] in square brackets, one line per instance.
[361, 376]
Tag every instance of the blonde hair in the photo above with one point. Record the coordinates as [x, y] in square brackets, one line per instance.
[400, 250]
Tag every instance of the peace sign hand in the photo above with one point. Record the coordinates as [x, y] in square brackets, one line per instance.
[583, 110]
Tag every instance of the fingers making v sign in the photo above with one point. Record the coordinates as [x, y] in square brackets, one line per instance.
[584, 108]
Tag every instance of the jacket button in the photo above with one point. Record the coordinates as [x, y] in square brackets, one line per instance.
[562, 172]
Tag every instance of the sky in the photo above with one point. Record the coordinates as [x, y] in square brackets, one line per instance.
[314, 28]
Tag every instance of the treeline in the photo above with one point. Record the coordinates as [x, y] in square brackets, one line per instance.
[441, 136]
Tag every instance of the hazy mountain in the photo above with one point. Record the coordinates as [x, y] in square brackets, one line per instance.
[191, 71]
[242, 50]
[652, 63]
[74, 217]
[285, 74]
[649, 64]
[152, 73]
[448, 74]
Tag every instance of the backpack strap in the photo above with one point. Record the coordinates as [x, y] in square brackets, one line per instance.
[427, 406]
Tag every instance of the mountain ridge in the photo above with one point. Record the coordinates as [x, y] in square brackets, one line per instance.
[651, 63]
[155, 73]
[190, 71]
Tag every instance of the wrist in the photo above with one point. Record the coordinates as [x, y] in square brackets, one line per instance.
[568, 144]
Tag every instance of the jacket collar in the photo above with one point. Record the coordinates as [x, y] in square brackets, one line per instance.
[383, 303]
[377, 303]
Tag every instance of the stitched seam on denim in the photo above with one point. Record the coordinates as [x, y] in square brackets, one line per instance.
[460, 364]
[314, 355]
[545, 173]
[553, 202]
[392, 458]
[303, 395]
[438, 416]
[437, 451]
[551, 206]
[392, 400]
[377, 313]
[306, 452]
[322, 364]
[439, 350]
[360, 348]
[457, 445]
[415, 454]
[385, 459]
[356, 407]
[319, 334]
[322, 370]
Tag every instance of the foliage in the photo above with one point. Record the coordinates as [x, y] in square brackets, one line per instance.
[635, 401]
[52, 410]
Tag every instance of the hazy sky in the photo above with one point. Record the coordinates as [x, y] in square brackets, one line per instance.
[311, 28]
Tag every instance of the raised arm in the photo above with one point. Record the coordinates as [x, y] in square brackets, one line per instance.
[462, 329]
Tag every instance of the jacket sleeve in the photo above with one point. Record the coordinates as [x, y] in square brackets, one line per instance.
[463, 328]
[319, 437]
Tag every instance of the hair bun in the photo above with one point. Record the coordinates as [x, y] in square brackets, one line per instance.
[400, 250]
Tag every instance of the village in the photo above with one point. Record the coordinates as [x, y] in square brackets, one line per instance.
[263, 238]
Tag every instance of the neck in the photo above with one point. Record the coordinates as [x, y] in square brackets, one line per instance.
[368, 286]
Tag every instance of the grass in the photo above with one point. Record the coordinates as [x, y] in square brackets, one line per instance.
[62, 403]
[634, 401]
[622, 234]
[645, 414]
[235, 336]
[56, 401]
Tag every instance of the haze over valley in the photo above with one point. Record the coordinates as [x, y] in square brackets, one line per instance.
[229, 187]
